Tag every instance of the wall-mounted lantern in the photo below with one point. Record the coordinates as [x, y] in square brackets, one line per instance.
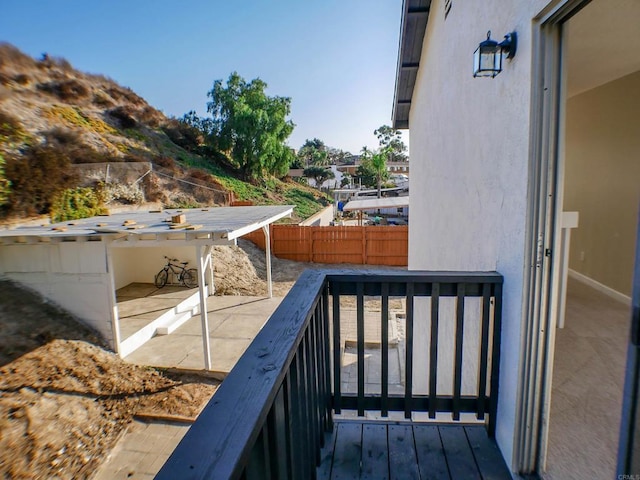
[487, 59]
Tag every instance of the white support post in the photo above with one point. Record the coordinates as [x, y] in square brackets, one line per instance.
[202, 265]
[267, 249]
[113, 304]
[212, 287]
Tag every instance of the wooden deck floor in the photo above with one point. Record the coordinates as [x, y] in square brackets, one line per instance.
[405, 451]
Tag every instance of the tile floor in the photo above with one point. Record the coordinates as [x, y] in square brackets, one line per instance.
[587, 387]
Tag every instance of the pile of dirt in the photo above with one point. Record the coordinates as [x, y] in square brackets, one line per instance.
[64, 400]
[242, 270]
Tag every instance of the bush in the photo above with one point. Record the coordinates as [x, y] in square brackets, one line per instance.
[111, 192]
[9, 125]
[21, 79]
[71, 143]
[65, 90]
[124, 115]
[37, 177]
[101, 99]
[166, 162]
[5, 185]
[183, 135]
[76, 203]
[198, 174]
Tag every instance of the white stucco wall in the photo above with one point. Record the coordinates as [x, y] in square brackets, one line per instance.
[469, 167]
[141, 264]
[71, 274]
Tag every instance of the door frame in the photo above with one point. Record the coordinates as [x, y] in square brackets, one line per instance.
[629, 443]
[543, 239]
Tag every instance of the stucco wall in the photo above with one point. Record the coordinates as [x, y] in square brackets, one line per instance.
[469, 167]
[321, 219]
[602, 180]
[73, 275]
[141, 264]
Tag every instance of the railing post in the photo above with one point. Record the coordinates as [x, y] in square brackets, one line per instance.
[495, 360]
[408, 385]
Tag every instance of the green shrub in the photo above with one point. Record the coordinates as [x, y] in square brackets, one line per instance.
[74, 203]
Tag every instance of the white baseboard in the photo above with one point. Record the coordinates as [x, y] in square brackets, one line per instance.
[621, 297]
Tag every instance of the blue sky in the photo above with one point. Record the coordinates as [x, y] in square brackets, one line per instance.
[336, 59]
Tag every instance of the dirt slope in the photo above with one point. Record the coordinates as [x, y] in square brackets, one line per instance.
[64, 400]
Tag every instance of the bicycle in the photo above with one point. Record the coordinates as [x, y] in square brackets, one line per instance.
[186, 276]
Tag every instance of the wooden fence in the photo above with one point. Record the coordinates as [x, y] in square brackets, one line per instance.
[371, 245]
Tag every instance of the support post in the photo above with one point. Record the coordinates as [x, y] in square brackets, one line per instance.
[113, 303]
[212, 287]
[202, 265]
[267, 249]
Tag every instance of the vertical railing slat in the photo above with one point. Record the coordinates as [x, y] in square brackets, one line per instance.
[495, 360]
[484, 348]
[326, 350]
[457, 363]
[337, 362]
[360, 342]
[279, 438]
[306, 406]
[320, 371]
[408, 381]
[294, 422]
[433, 349]
[384, 374]
[313, 381]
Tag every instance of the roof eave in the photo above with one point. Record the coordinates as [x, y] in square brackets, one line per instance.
[415, 14]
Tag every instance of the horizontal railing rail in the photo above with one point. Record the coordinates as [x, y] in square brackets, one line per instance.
[269, 416]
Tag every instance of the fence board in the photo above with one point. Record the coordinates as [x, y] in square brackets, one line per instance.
[374, 245]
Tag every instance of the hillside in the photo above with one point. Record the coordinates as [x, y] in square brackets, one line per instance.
[59, 128]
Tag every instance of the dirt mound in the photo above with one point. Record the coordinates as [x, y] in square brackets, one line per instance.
[64, 401]
[242, 270]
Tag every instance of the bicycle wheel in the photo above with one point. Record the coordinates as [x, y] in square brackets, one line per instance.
[161, 278]
[190, 278]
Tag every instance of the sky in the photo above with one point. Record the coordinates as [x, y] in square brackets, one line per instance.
[335, 59]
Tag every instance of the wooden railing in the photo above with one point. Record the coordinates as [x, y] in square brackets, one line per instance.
[269, 416]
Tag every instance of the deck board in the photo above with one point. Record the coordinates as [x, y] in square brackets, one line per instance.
[375, 452]
[348, 451]
[403, 463]
[431, 460]
[365, 450]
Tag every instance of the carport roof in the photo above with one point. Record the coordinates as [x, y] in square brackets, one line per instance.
[218, 222]
[373, 203]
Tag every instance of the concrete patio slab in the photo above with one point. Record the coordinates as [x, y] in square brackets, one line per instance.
[233, 323]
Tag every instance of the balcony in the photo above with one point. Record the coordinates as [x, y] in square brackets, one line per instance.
[296, 406]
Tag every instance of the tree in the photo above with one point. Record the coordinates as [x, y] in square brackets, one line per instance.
[319, 174]
[251, 126]
[390, 139]
[373, 168]
[313, 153]
[346, 180]
[337, 156]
